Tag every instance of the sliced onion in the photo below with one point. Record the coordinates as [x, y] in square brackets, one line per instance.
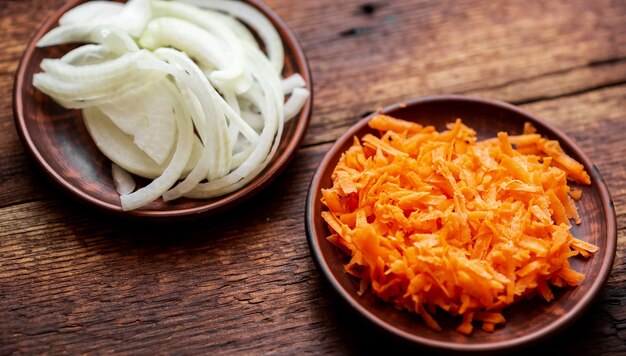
[174, 93]
[272, 110]
[120, 149]
[130, 17]
[218, 128]
[200, 44]
[213, 21]
[91, 82]
[146, 116]
[173, 171]
[87, 54]
[232, 116]
[257, 21]
[91, 12]
[204, 19]
[188, 75]
[113, 38]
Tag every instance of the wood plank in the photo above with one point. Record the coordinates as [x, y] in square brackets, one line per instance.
[18, 21]
[21, 181]
[565, 82]
[72, 276]
[74, 281]
[404, 50]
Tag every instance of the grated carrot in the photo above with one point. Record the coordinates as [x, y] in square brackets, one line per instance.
[576, 193]
[438, 220]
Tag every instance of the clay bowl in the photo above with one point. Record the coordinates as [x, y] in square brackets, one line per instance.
[58, 141]
[527, 321]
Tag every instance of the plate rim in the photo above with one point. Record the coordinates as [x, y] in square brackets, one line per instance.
[542, 333]
[213, 206]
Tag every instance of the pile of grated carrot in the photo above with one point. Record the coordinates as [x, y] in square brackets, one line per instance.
[437, 220]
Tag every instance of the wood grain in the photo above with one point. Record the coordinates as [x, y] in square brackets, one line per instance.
[410, 49]
[74, 281]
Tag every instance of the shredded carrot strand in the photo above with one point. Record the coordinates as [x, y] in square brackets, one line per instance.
[438, 220]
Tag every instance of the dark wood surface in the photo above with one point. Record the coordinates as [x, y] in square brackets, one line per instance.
[74, 281]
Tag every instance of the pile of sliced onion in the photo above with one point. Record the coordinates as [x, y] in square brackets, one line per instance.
[177, 92]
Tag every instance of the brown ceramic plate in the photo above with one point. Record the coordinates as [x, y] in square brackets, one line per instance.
[528, 321]
[60, 144]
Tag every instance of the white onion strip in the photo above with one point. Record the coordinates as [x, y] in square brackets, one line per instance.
[87, 54]
[90, 12]
[115, 39]
[296, 102]
[130, 17]
[255, 19]
[122, 180]
[91, 82]
[291, 82]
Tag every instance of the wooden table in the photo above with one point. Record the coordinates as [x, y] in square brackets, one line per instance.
[74, 281]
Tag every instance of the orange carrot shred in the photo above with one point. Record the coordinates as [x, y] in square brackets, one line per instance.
[490, 317]
[441, 222]
[576, 193]
[488, 327]
[466, 326]
[529, 128]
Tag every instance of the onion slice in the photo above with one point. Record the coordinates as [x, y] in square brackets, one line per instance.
[296, 102]
[256, 20]
[173, 171]
[91, 12]
[130, 17]
[120, 149]
[293, 81]
[115, 39]
[122, 180]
